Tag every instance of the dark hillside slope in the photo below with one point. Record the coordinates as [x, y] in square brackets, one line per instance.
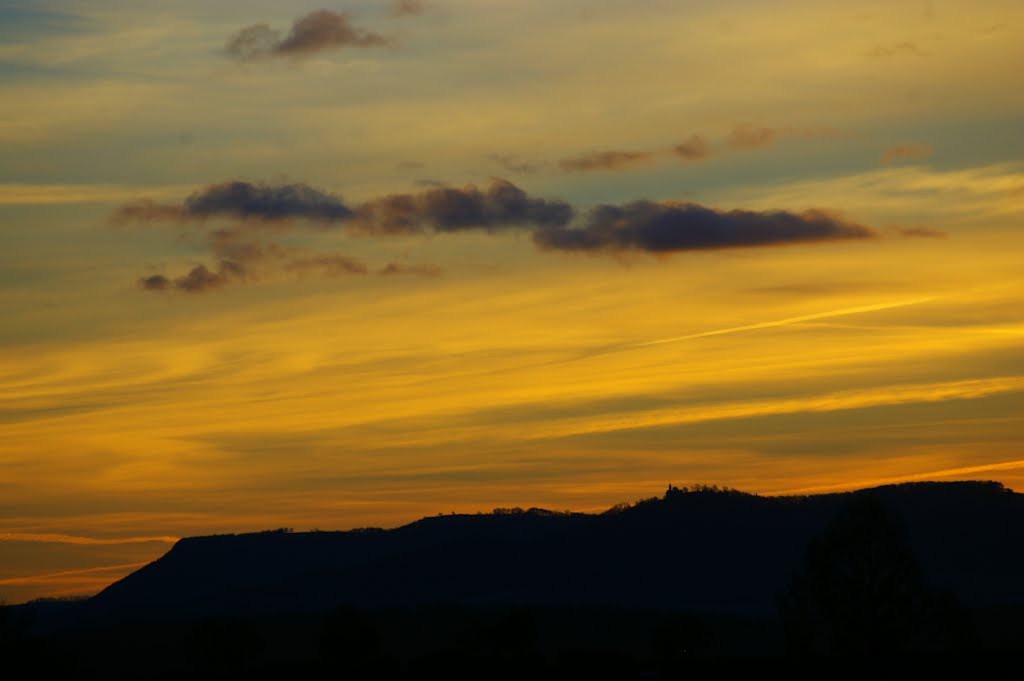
[702, 550]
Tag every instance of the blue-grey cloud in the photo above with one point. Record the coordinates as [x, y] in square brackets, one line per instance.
[267, 202]
[454, 209]
[243, 251]
[651, 227]
[242, 200]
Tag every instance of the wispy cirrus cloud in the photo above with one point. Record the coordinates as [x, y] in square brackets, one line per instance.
[895, 49]
[54, 538]
[916, 393]
[748, 136]
[81, 582]
[318, 31]
[516, 164]
[606, 160]
[918, 232]
[960, 471]
[743, 137]
[20, 194]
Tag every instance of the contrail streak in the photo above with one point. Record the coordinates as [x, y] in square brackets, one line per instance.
[789, 320]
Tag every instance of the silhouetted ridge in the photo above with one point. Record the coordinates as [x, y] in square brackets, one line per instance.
[696, 549]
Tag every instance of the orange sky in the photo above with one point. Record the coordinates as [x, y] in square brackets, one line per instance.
[769, 247]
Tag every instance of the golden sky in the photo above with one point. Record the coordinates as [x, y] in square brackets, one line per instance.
[271, 264]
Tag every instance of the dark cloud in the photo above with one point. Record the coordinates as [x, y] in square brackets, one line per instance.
[749, 136]
[694, 148]
[393, 268]
[244, 252]
[669, 227]
[329, 265]
[605, 160]
[906, 152]
[201, 278]
[266, 202]
[242, 200]
[439, 208]
[919, 232]
[452, 209]
[315, 32]
[405, 8]
[157, 282]
[895, 49]
[237, 252]
[253, 42]
[198, 280]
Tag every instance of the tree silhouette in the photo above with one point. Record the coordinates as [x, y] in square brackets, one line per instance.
[860, 592]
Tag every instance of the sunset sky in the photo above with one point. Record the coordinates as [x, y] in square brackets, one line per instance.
[279, 264]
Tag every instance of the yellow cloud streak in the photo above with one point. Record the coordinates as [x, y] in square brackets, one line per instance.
[910, 477]
[892, 193]
[836, 401]
[81, 541]
[88, 576]
[318, 398]
[15, 194]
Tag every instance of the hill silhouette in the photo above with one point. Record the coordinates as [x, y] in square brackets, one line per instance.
[699, 581]
[699, 550]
